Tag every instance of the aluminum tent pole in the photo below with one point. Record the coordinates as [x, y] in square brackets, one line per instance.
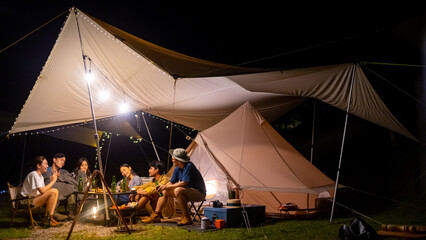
[98, 150]
[343, 143]
[313, 132]
[23, 157]
[312, 144]
[171, 121]
[96, 135]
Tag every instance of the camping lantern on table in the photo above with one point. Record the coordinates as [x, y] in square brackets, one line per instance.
[94, 212]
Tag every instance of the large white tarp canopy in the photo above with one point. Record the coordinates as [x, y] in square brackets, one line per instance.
[183, 89]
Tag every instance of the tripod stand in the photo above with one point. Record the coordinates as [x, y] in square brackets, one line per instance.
[96, 172]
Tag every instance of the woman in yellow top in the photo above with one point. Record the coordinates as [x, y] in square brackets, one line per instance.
[148, 191]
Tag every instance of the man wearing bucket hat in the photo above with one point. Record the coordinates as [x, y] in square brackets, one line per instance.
[186, 184]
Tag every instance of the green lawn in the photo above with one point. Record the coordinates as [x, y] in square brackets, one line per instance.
[271, 229]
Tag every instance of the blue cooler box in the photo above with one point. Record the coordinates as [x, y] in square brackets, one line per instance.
[233, 216]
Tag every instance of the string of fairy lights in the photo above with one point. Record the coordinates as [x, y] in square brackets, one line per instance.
[107, 135]
[183, 128]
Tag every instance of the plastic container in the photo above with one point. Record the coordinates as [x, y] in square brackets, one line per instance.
[220, 223]
[205, 223]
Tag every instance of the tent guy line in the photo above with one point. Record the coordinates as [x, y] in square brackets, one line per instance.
[306, 48]
[395, 86]
[35, 30]
[361, 214]
[394, 64]
[239, 64]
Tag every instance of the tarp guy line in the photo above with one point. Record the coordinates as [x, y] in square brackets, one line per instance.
[35, 30]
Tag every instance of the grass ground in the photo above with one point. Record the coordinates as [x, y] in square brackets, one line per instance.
[320, 228]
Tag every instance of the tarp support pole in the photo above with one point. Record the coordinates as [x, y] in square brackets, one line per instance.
[96, 136]
[150, 138]
[343, 143]
[313, 132]
[171, 122]
[138, 122]
[170, 143]
[312, 145]
[23, 157]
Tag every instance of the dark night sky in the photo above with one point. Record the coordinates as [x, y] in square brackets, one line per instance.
[234, 34]
[297, 35]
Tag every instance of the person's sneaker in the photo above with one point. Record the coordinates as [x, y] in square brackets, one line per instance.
[71, 216]
[54, 223]
[154, 218]
[185, 221]
[71, 213]
[60, 217]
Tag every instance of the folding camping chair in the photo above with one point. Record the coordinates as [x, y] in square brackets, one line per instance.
[22, 205]
[196, 210]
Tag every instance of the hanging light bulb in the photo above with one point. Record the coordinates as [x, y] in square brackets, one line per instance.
[90, 76]
[124, 107]
[94, 212]
[104, 94]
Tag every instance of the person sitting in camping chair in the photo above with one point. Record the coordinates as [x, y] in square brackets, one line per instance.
[82, 170]
[65, 184]
[132, 180]
[187, 184]
[147, 193]
[34, 186]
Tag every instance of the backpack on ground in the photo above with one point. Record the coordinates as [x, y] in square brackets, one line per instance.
[358, 229]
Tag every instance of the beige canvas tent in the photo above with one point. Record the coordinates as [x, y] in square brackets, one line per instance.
[243, 151]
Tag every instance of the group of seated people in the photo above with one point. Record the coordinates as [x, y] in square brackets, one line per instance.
[48, 185]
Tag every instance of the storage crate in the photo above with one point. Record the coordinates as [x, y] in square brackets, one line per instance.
[233, 216]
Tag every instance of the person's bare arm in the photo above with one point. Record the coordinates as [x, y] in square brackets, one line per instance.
[170, 185]
[53, 179]
[141, 191]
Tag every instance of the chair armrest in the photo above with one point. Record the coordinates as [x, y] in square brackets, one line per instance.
[21, 198]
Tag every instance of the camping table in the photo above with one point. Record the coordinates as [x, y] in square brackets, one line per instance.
[96, 195]
[286, 211]
[127, 214]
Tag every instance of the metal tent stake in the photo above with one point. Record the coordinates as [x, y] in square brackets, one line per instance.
[96, 172]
